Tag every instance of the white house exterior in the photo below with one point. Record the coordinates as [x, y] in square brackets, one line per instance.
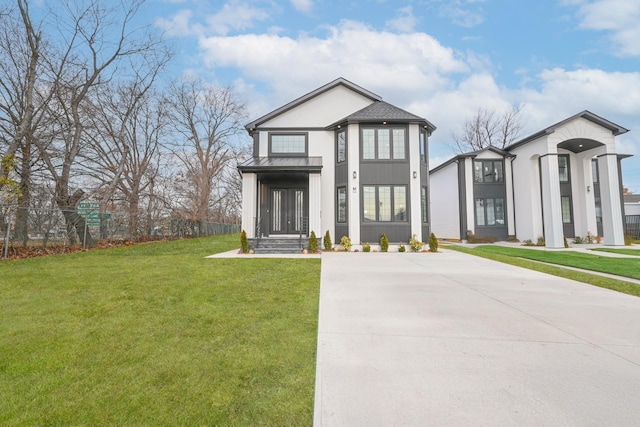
[564, 181]
[337, 159]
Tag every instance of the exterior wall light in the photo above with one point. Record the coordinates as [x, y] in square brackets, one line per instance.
[355, 174]
[415, 174]
[588, 188]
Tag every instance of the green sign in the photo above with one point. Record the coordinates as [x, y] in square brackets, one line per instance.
[91, 212]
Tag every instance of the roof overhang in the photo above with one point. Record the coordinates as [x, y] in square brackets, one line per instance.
[281, 164]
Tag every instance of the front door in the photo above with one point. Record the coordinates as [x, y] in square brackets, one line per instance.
[287, 210]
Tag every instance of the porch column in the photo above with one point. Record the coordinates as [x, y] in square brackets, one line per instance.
[551, 208]
[612, 226]
[315, 204]
[249, 203]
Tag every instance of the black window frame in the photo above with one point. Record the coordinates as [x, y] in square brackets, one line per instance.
[568, 167]
[346, 146]
[423, 141]
[392, 193]
[306, 144]
[346, 205]
[485, 216]
[492, 163]
[390, 128]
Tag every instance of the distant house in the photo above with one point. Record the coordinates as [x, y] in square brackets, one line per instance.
[632, 204]
[337, 159]
[564, 181]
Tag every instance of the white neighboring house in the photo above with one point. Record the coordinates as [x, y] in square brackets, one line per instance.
[632, 204]
[564, 181]
[339, 159]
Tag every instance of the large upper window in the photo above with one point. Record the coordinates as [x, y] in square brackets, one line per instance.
[490, 212]
[488, 171]
[341, 146]
[288, 144]
[384, 203]
[387, 143]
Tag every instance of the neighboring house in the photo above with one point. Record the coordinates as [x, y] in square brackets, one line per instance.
[338, 159]
[564, 181]
[632, 204]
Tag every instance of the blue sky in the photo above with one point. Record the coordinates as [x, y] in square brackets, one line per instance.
[440, 59]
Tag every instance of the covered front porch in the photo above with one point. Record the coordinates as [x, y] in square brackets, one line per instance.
[281, 197]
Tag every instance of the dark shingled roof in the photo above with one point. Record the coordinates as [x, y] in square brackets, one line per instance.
[381, 111]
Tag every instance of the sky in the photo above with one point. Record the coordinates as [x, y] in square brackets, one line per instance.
[439, 59]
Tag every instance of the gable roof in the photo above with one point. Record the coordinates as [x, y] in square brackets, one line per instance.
[472, 154]
[304, 98]
[588, 115]
[381, 111]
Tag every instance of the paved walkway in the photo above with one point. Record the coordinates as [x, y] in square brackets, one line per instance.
[453, 339]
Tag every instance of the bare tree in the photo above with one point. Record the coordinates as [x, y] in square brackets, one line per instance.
[489, 129]
[207, 121]
[96, 46]
[124, 156]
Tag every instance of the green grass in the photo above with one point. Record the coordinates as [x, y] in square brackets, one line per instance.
[632, 252]
[158, 335]
[522, 257]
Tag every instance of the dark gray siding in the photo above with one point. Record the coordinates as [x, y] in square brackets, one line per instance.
[462, 199]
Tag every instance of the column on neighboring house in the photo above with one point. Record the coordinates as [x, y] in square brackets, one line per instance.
[510, 215]
[315, 204]
[470, 202]
[551, 208]
[249, 203]
[612, 226]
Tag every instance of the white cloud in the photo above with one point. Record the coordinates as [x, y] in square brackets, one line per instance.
[235, 15]
[405, 22]
[466, 13]
[617, 17]
[178, 25]
[302, 5]
[380, 61]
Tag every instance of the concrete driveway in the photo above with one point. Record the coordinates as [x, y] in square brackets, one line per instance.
[451, 339]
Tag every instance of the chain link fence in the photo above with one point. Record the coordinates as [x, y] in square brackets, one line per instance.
[23, 229]
[633, 226]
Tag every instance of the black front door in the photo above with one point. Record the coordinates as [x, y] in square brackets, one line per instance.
[287, 210]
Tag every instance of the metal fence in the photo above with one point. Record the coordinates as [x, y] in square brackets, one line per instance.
[48, 228]
[633, 226]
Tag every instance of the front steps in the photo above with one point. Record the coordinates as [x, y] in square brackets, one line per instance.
[279, 245]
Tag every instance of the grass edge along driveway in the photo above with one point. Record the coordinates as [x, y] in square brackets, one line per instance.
[521, 257]
[158, 335]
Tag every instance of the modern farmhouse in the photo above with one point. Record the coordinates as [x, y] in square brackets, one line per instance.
[337, 159]
[562, 182]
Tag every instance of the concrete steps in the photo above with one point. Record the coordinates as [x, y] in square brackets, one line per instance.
[276, 245]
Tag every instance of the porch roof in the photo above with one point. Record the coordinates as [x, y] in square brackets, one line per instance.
[282, 164]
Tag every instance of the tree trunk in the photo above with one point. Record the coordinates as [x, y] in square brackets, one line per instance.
[76, 224]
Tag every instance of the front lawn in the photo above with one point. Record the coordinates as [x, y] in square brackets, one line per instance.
[158, 335]
[631, 252]
[628, 267]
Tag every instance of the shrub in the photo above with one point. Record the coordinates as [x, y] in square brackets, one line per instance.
[366, 247]
[244, 242]
[327, 241]
[628, 239]
[345, 242]
[401, 248]
[540, 241]
[590, 237]
[566, 244]
[472, 238]
[433, 243]
[313, 243]
[415, 244]
[384, 243]
[577, 240]
[527, 242]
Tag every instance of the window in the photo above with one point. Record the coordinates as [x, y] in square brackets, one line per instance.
[566, 209]
[386, 143]
[490, 212]
[425, 206]
[423, 146]
[342, 146]
[384, 203]
[594, 170]
[488, 171]
[563, 168]
[288, 144]
[341, 215]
